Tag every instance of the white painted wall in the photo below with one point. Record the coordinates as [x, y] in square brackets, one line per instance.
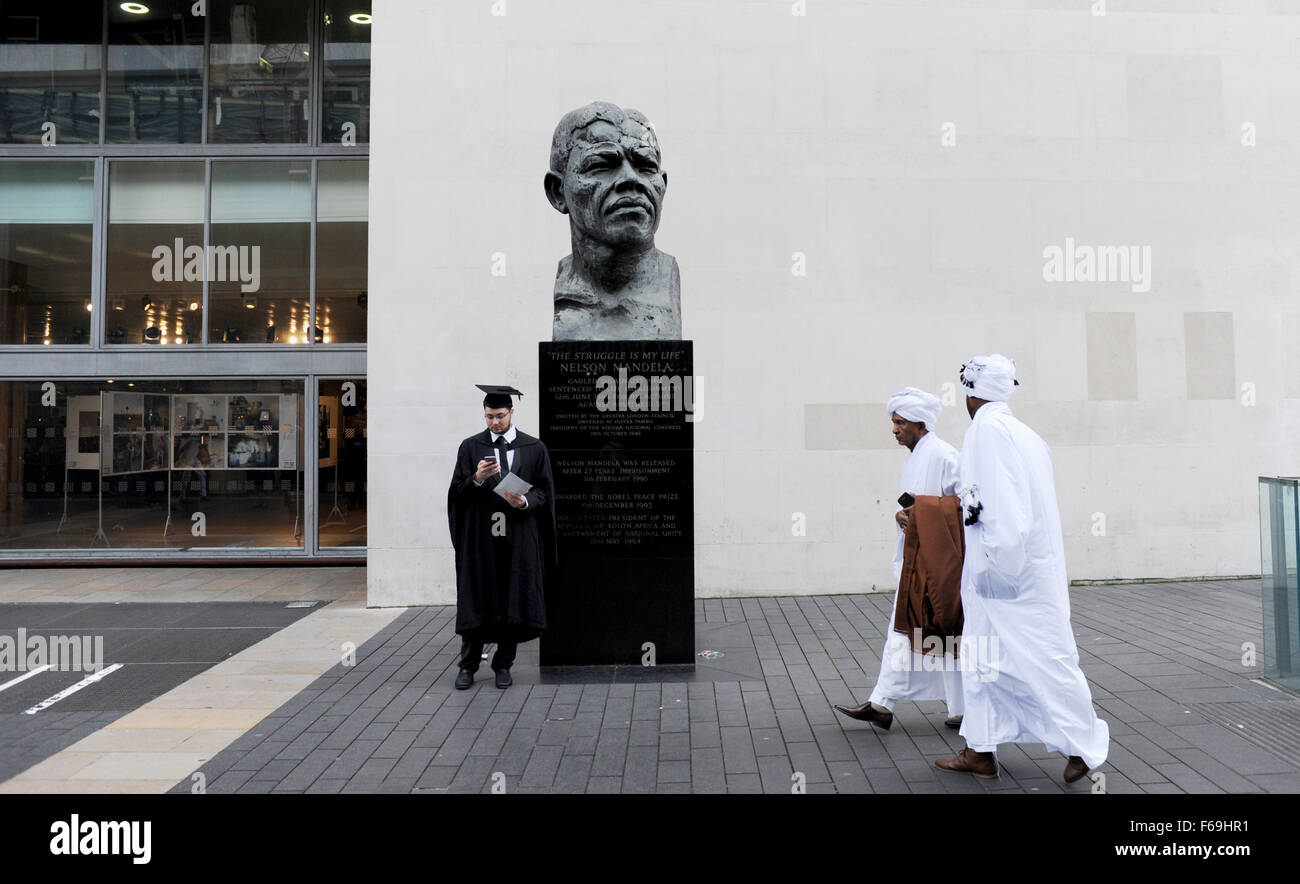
[821, 134]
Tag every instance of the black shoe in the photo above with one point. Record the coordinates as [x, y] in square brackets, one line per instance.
[503, 678]
[953, 721]
[464, 679]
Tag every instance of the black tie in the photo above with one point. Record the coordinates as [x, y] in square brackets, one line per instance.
[502, 447]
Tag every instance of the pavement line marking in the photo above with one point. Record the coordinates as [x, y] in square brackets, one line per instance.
[37, 671]
[68, 692]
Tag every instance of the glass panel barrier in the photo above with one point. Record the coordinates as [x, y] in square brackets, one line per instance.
[1279, 538]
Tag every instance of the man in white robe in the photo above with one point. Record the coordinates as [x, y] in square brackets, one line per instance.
[930, 469]
[1021, 672]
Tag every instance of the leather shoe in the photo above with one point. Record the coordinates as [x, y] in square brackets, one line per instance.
[464, 679]
[953, 721]
[981, 764]
[503, 678]
[867, 712]
[1075, 768]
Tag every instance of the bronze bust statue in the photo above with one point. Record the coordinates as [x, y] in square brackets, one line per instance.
[606, 176]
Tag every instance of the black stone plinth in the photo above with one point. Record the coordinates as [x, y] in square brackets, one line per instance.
[617, 419]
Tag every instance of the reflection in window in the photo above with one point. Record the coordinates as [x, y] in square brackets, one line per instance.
[341, 236]
[154, 279]
[341, 460]
[259, 85]
[46, 212]
[155, 72]
[345, 117]
[49, 71]
[261, 240]
[129, 464]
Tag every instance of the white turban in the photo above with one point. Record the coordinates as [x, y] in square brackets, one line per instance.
[991, 378]
[915, 405]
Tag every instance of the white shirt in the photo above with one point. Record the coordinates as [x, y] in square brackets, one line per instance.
[510, 453]
[931, 470]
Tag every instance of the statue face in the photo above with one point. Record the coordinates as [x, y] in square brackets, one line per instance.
[613, 187]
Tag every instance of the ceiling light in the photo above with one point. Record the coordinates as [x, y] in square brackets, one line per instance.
[89, 306]
[360, 18]
[134, 8]
[194, 305]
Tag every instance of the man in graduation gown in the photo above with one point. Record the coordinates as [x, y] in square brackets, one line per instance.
[504, 544]
[930, 469]
[1021, 672]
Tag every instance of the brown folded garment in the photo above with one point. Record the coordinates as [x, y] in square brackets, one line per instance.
[929, 589]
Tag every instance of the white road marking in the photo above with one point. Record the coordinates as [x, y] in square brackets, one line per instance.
[68, 692]
[37, 671]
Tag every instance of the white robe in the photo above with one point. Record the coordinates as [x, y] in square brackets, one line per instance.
[930, 469]
[1026, 685]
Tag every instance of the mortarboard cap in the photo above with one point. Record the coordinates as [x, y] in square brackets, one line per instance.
[498, 396]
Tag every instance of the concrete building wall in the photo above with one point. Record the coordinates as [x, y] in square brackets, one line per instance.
[861, 197]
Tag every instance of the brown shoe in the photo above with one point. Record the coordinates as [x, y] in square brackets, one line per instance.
[981, 764]
[1075, 768]
[867, 712]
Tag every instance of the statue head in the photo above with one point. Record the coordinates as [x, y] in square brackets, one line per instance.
[605, 175]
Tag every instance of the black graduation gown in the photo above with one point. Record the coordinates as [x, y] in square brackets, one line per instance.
[500, 580]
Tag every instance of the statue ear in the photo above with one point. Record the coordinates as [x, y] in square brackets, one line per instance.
[554, 186]
[664, 175]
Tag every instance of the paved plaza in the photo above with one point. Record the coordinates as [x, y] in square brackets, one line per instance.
[1164, 661]
[277, 711]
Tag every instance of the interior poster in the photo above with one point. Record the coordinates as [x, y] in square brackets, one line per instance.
[289, 432]
[198, 425]
[82, 434]
[133, 433]
[328, 431]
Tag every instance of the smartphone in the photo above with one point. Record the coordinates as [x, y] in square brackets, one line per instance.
[905, 500]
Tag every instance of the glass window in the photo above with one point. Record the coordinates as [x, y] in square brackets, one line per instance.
[341, 237]
[261, 237]
[155, 72]
[341, 459]
[49, 71]
[153, 464]
[46, 232]
[345, 117]
[259, 86]
[154, 280]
